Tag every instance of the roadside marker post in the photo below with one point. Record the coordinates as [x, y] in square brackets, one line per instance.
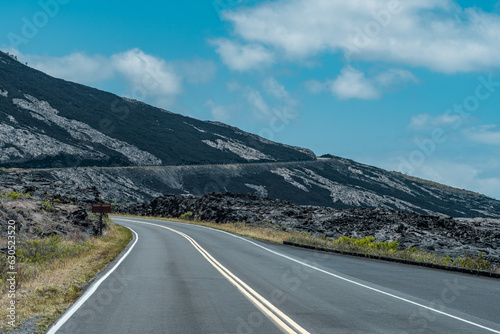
[101, 208]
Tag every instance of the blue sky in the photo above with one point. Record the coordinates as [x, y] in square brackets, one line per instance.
[409, 85]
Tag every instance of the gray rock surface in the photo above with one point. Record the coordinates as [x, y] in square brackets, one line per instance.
[41, 211]
[68, 129]
[338, 183]
[438, 234]
[48, 122]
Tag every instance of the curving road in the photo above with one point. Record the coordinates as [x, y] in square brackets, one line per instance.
[179, 278]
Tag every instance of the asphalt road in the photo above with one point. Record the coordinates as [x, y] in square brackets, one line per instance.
[190, 279]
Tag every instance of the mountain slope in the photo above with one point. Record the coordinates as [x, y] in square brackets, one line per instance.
[337, 183]
[49, 122]
[62, 127]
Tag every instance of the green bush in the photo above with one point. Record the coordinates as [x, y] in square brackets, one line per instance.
[187, 215]
[390, 246]
[367, 243]
[14, 195]
[369, 246]
[47, 206]
[469, 262]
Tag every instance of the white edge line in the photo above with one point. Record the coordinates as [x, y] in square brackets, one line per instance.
[353, 282]
[362, 285]
[90, 291]
[281, 320]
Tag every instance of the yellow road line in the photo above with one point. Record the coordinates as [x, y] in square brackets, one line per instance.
[285, 323]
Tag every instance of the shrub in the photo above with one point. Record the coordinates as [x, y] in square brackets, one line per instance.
[367, 243]
[477, 263]
[188, 215]
[47, 206]
[14, 195]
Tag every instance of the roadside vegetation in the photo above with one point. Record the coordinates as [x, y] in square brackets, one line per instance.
[14, 195]
[367, 245]
[52, 272]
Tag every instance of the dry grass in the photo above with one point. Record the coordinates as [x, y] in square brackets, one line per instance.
[264, 233]
[47, 290]
[366, 246]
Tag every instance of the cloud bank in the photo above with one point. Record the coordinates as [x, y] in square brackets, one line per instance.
[435, 34]
[354, 84]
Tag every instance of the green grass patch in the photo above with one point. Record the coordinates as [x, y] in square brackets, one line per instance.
[49, 249]
[14, 195]
[52, 272]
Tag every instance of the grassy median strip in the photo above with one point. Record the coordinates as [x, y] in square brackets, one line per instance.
[52, 272]
[366, 245]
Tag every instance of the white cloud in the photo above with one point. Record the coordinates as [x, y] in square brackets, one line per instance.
[257, 102]
[435, 34]
[150, 75]
[395, 76]
[447, 120]
[353, 84]
[233, 85]
[419, 121]
[149, 78]
[74, 67]
[286, 104]
[454, 174]
[425, 121]
[314, 86]
[486, 134]
[269, 103]
[219, 112]
[273, 87]
[474, 176]
[242, 57]
[198, 71]
[489, 186]
[462, 176]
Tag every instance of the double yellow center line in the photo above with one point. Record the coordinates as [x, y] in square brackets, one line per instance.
[281, 320]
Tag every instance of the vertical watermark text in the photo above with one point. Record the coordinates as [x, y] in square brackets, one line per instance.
[11, 273]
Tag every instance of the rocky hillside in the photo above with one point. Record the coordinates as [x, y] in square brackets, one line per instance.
[84, 138]
[442, 235]
[41, 215]
[337, 183]
[49, 122]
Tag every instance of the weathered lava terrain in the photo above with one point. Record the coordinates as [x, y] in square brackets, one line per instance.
[436, 233]
[82, 137]
[45, 210]
[456, 237]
